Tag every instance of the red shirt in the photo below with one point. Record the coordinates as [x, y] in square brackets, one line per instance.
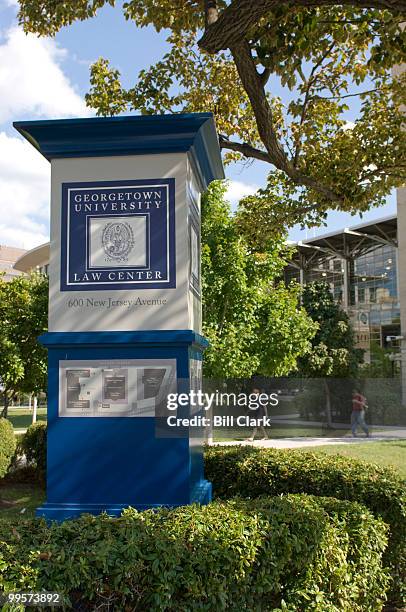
[358, 402]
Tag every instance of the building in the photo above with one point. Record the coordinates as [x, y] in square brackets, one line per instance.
[8, 257]
[36, 259]
[360, 264]
[401, 209]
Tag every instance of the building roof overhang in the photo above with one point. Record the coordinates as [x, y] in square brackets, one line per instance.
[30, 260]
[344, 242]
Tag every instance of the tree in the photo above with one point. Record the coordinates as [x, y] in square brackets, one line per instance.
[333, 353]
[226, 56]
[23, 317]
[333, 350]
[255, 324]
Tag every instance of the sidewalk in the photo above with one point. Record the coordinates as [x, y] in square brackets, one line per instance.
[294, 419]
[303, 442]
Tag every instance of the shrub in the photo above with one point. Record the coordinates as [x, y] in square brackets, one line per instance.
[251, 472]
[384, 396]
[33, 445]
[311, 400]
[291, 553]
[7, 445]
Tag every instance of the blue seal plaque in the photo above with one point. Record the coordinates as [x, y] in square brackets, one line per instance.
[118, 235]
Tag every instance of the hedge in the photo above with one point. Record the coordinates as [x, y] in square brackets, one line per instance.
[7, 445]
[251, 472]
[33, 445]
[286, 553]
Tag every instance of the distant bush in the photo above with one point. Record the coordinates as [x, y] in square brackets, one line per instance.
[33, 444]
[384, 398]
[311, 401]
[251, 472]
[294, 552]
[7, 445]
[383, 395]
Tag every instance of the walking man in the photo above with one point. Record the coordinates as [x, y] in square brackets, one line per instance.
[259, 412]
[359, 403]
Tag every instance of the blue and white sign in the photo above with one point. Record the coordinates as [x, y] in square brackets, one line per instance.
[124, 308]
[118, 235]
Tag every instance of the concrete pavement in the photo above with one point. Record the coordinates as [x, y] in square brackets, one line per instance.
[303, 442]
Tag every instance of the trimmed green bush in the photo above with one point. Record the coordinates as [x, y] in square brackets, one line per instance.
[33, 445]
[251, 472]
[290, 553]
[7, 445]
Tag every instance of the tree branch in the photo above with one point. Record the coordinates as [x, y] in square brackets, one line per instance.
[349, 21]
[233, 23]
[295, 215]
[243, 147]
[310, 82]
[360, 93]
[265, 74]
[252, 84]
[387, 170]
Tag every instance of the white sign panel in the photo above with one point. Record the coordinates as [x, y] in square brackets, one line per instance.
[118, 242]
[111, 388]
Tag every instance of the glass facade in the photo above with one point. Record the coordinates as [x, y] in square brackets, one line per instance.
[361, 270]
[330, 269]
[374, 304]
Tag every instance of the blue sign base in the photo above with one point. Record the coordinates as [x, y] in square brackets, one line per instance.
[106, 463]
[61, 512]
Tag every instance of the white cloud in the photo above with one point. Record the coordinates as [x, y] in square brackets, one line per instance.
[24, 194]
[32, 83]
[238, 190]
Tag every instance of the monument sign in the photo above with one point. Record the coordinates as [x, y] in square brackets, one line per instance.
[124, 306]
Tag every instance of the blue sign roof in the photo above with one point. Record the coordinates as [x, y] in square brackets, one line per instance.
[130, 135]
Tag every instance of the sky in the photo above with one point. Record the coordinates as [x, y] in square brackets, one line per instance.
[43, 78]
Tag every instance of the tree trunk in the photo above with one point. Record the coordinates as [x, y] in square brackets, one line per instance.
[253, 85]
[34, 410]
[4, 412]
[328, 405]
[234, 23]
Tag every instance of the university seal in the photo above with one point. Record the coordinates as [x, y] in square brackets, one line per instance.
[117, 241]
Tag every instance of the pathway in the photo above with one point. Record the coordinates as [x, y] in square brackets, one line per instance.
[308, 442]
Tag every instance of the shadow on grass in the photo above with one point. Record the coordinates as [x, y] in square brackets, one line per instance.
[21, 419]
[25, 499]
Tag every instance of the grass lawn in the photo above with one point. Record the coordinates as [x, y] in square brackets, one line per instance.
[25, 496]
[391, 453]
[21, 418]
